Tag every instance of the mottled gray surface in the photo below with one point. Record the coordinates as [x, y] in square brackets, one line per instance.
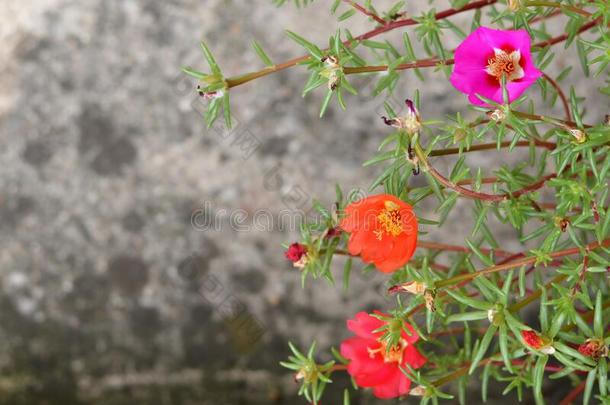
[109, 294]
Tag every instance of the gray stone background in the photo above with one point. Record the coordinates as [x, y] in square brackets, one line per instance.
[108, 293]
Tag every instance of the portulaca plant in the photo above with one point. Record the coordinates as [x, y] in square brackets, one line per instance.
[459, 311]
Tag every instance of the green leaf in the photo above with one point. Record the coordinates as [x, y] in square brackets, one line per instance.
[347, 269]
[226, 108]
[503, 340]
[598, 316]
[482, 349]
[467, 316]
[210, 58]
[346, 15]
[329, 96]
[471, 302]
[589, 386]
[602, 376]
[539, 378]
[261, 53]
[311, 48]
[192, 72]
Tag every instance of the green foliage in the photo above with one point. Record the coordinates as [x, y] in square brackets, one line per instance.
[554, 201]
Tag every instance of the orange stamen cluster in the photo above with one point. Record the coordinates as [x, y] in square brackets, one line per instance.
[505, 64]
[393, 354]
[390, 220]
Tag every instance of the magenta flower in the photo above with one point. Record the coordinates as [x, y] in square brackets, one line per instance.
[485, 55]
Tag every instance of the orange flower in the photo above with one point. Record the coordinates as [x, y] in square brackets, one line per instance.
[383, 231]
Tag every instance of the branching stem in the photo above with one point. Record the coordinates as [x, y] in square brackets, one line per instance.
[366, 12]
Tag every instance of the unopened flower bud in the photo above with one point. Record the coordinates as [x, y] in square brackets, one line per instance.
[458, 135]
[535, 341]
[594, 348]
[297, 254]
[578, 134]
[332, 232]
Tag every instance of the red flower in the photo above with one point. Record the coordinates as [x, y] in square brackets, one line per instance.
[372, 365]
[295, 252]
[383, 231]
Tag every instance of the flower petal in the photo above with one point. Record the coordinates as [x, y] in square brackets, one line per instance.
[364, 324]
[413, 357]
[398, 384]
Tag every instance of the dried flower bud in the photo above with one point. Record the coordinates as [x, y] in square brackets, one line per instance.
[514, 5]
[578, 134]
[411, 122]
[413, 287]
[429, 297]
[595, 211]
[297, 254]
[418, 391]
[333, 81]
[331, 71]
[562, 223]
[594, 348]
[497, 115]
[209, 95]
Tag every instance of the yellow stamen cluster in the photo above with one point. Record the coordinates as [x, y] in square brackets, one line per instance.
[504, 63]
[390, 220]
[391, 355]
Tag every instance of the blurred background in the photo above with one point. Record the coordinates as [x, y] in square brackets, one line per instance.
[140, 253]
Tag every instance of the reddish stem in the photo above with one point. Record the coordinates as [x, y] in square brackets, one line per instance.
[489, 146]
[365, 11]
[569, 399]
[238, 80]
[562, 95]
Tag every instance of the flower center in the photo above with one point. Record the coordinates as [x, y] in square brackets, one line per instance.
[390, 220]
[393, 355]
[504, 63]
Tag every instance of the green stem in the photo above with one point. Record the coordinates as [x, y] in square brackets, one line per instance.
[557, 5]
[517, 263]
[365, 11]
[245, 78]
[488, 146]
